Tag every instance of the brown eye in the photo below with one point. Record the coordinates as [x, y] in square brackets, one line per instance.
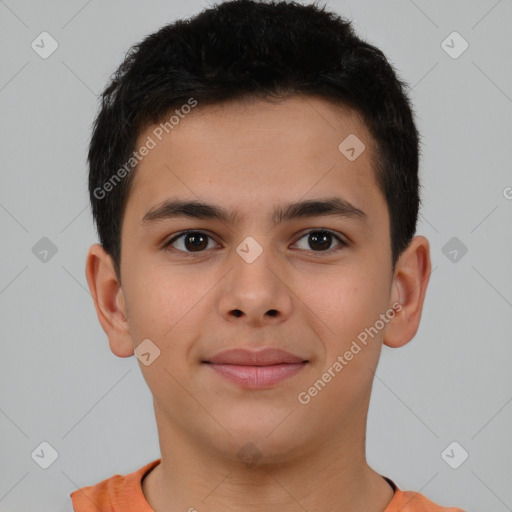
[320, 240]
[190, 241]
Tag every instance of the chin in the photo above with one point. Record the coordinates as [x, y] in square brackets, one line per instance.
[262, 443]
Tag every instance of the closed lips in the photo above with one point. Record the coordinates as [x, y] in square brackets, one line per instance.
[245, 357]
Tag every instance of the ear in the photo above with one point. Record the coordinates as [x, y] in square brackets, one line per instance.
[108, 300]
[410, 280]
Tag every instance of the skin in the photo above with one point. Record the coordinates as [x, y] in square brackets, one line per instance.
[248, 157]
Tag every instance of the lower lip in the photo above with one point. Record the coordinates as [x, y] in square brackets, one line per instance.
[257, 377]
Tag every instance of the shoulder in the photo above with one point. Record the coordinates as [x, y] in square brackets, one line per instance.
[117, 493]
[410, 501]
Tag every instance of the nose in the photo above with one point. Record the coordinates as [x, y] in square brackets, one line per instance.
[256, 293]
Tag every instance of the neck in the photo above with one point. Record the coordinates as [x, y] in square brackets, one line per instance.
[315, 474]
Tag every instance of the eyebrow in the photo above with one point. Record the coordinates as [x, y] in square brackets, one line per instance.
[174, 208]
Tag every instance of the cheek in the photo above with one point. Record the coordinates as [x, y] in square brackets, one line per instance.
[153, 304]
[347, 302]
[348, 305]
[167, 305]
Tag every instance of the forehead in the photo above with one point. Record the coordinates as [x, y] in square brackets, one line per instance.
[244, 153]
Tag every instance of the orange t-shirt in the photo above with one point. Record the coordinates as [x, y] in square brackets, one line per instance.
[124, 494]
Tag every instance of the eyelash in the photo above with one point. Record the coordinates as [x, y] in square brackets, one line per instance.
[342, 243]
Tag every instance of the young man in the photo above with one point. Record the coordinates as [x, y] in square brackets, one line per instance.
[254, 181]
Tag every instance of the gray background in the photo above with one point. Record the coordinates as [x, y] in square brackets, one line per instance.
[60, 383]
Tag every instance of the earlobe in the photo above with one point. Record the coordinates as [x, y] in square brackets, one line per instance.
[410, 280]
[108, 300]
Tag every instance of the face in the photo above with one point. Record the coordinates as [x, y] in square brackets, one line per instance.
[198, 284]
